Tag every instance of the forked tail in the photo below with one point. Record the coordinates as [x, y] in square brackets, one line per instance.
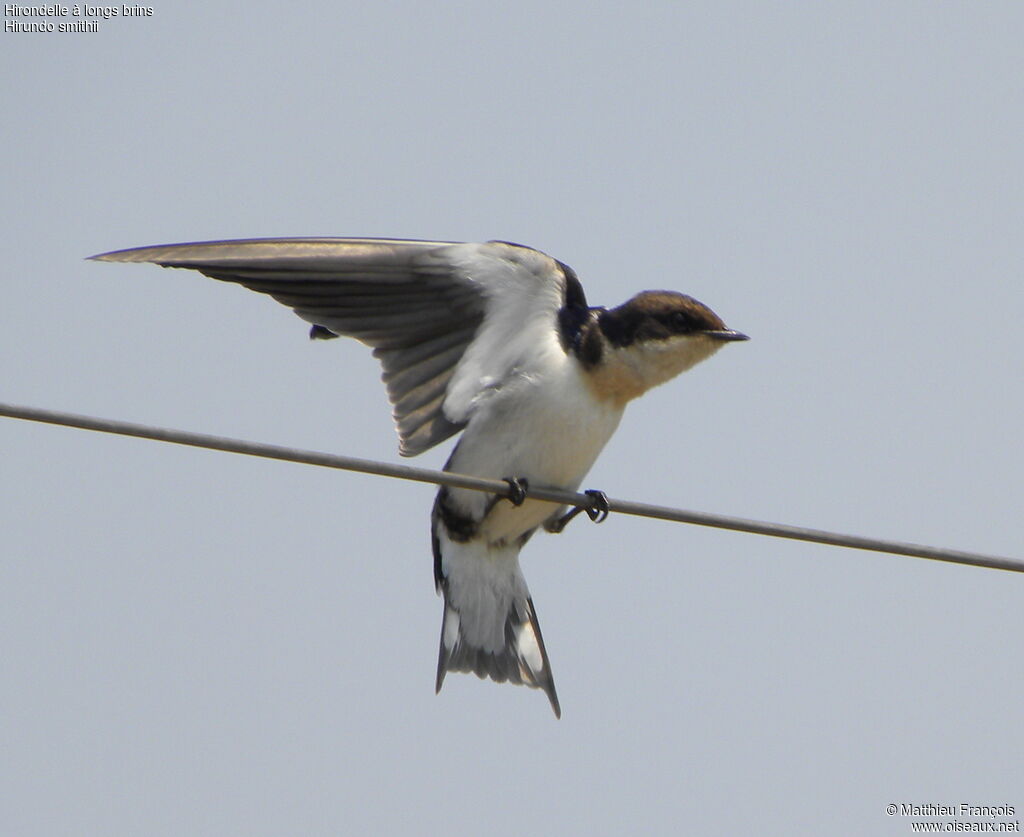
[490, 627]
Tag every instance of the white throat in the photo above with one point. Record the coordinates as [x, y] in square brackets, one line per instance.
[628, 372]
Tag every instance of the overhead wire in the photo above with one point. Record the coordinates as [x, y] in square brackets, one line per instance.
[500, 487]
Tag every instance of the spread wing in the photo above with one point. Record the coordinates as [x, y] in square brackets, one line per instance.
[449, 322]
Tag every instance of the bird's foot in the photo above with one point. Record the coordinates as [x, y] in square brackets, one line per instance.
[517, 488]
[597, 511]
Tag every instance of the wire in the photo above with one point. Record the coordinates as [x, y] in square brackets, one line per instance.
[406, 472]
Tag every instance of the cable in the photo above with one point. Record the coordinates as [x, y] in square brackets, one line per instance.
[406, 472]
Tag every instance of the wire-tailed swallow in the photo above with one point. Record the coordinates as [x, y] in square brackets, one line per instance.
[495, 340]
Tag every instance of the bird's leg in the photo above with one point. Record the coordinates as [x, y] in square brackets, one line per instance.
[517, 488]
[597, 511]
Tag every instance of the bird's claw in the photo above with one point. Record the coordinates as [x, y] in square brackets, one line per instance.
[517, 488]
[597, 511]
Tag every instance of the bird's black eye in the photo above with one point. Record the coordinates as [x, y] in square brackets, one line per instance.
[681, 321]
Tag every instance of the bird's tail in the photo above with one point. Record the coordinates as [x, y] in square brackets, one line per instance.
[490, 627]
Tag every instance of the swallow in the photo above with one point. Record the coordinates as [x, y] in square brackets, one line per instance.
[496, 341]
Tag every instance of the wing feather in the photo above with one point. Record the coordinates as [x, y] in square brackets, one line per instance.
[448, 322]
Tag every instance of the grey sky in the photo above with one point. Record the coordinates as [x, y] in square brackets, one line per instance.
[198, 643]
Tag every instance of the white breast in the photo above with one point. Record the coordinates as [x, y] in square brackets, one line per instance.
[544, 425]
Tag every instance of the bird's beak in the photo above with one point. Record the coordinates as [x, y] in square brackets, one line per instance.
[726, 335]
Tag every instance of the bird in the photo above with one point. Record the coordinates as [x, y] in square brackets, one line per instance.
[495, 341]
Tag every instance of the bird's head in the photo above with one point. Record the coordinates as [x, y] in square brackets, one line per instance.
[652, 338]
